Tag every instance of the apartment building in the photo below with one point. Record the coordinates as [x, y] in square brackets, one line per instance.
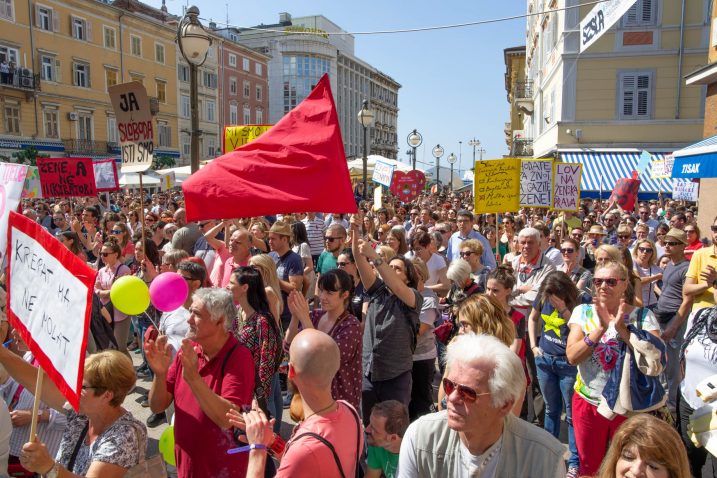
[515, 85]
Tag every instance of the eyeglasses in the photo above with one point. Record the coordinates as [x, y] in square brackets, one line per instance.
[713, 228]
[610, 282]
[331, 239]
[567, 250]
[343, 264]
[646, 250]
[105, 254]
[466, 393]
[621, 236]
[672, 243]
[465, 254]
[117, 231]
[577, 236]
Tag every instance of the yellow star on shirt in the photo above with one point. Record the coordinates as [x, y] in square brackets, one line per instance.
[553, 322]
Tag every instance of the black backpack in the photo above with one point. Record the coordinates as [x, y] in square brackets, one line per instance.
[101, 331]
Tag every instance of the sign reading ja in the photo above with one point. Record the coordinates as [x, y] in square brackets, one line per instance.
[134, 122]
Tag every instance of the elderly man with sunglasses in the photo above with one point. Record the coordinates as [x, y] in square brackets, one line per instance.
[477, 435]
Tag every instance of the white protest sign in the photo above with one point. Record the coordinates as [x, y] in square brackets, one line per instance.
[566, 186]
[657, 169]
[382, 173]
[377, 198]
[600, 19]
[168, 180]
[134, 122]
[685, 190]
[49, 296]
[12, 181]
[536, 181]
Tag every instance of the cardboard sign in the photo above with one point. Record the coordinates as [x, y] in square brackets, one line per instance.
[536, 183]
[377, 198]
[407, 186]
[600, 19]
[169, 180]
[497, 186]
[566, 186]
[134, 122]
[49, 297]
[12, 181]
[106, 175]
[660, 169]
[32, 188]
[62, 177]
[625, 193]
[382, 173]
[237, 136]
[685, 190]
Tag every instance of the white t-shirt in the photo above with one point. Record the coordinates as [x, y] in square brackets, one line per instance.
[700, 363]
[435, 264]
[174, 325]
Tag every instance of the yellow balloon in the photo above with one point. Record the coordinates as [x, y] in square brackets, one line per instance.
[130, 295]
[166, 445]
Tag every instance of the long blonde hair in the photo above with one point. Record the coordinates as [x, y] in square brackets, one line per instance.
[487, 316]
[267, 269]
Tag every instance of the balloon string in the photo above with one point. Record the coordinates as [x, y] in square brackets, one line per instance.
[153, 322]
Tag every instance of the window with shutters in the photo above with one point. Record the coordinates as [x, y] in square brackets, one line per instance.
[44, 18]
[79, 28]
[52, 123]
[47, 68]
[111, 76]
[233, 114]
[159, 53]
[636, 95]
[110, 37]
[165, 134]
[6, 9]
[642, 13]
[12, 118]
[186, 109]
[161, 91]
[81, 74]
[135, 45]
[112, 131]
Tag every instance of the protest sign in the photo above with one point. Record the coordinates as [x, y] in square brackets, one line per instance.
[625, 193]
[61, 177]
[657, 170]
[600, 19]
[685, 190]
[643, 162]
[49, 297]
[497, 186]
[134, 122]
[12, 181]
[377, 198]
[236, 136]
[169, 180]
[106, 175]
[407, 186]
[566, 186]
[382, 173]
[536, 182]
[32, 188]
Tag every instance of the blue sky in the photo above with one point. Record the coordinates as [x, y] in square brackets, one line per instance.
[452, 80]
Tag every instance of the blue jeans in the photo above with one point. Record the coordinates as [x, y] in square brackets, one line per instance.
[275, 403]
[556, 378]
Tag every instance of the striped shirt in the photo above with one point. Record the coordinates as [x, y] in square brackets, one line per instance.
[315, 232]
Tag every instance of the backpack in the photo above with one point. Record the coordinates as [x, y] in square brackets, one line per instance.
[102, 331]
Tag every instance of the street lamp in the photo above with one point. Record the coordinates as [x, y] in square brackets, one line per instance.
[194, 42]
[414, 141]
[475, 143]
[452, 159]
[365, 117]
[437, 153]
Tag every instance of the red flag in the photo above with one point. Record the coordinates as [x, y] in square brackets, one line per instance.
[298, 165]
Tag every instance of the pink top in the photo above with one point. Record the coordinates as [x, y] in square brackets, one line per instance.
[224, 264]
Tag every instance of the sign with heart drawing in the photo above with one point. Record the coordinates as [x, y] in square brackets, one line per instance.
[407, 186]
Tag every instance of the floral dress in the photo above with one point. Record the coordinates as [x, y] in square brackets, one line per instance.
[263, 340]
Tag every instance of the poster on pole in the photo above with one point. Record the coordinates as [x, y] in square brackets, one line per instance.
[237, 136]
[685, 190]
[496, 187]
[169, 180]
[566, 186]
[49, 297]
[32, 188]
[106, 175]
[600, 19]
[134, 122]
[382, 173]
[536, 183]
[63, 177]
[12, 182]
[625, 193]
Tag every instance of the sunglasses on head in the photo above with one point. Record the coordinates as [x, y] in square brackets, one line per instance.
[610, 282]
[466, 393]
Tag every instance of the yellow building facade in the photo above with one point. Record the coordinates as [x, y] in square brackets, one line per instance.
[516, 87]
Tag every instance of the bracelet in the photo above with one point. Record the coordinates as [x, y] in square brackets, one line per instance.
[242, 449]
[589, 342]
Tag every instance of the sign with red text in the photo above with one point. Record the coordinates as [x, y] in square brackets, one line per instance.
[63, 177]
[566, 186]
[625, 193]
[536, 182]
[12, 182]
[134, 122]
[106, 175]
[49, 298]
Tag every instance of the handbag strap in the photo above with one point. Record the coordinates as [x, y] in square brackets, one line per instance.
[73, 457]
[328, 445]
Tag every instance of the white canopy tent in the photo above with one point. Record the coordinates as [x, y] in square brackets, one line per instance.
[356, 165]
[132, 179]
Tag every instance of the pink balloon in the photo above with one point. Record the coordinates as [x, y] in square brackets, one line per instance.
[168, 291]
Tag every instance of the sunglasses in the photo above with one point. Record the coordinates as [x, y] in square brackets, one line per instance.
[465, 254]
[672, 244]
[610, 282]
[713, 228]
[577, 236]
[343, 264]
[105, 254]
[331, 239]
[116, 231]
[646, 250]
[567, 250]
[466, 393]
[624, 237]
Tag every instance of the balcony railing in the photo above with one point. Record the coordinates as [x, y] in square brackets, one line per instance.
[20, 78]
[86, 146]
[523, 147]
[523, 90]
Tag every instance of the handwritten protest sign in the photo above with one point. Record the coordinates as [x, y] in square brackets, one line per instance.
[382, 173]
[169, 180]
[134, 122]
[497, 185]
[236, 136]
[106, 175]
[49, 296]
[536, 182]
[685, 190]
[61, 177]
[12, 180]
[566, 186]
[32, 188]
[625, 193]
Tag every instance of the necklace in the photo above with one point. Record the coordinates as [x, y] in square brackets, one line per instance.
[333, 402]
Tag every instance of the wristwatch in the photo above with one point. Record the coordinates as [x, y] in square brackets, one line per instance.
[378, 261]
[54, 471]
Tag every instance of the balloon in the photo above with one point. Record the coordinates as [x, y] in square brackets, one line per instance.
[129, 295]
[168, 291]
[166, 445]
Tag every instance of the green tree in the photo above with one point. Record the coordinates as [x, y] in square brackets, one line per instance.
[163, 162]
[27, 156]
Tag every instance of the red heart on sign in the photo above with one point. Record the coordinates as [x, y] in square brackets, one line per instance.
[407, 186]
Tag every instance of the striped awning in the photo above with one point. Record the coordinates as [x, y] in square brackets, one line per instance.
[608, 167]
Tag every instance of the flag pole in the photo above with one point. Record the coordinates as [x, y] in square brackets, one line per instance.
[141, 206]
[36, 405]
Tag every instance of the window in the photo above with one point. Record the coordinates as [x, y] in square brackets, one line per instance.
[110, 77]
[12, 118]
[81, 74]
[186, 109]
[6, 9]
[161, 91]
[233, 86]
[640, 14]
[247, 115]
[136, 77]
[246, 89]
[135, 45]
[52, 123]
[183, 72]
[245, 64]
[233, 115]
[112, 132]
[186, 146]
[259, 94]
[258, 68]
[8, 54]
[211, 111]
[84, 127]
[636, 95]
[209, 79]
[232, 59]
[259, 116]
[79, 28]
[43, 19]
[159, 53]
[211, 146]
[47, 68]
[110, 37]
[165, 134]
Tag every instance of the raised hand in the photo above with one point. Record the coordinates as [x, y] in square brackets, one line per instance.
[158, 354]
[298, 306]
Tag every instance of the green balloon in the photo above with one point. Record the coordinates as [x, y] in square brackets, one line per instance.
[166, 445]
[130, 295]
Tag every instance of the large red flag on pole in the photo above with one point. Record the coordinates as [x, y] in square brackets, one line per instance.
[299, 165]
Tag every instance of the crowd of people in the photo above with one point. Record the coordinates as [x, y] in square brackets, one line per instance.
[414, 339]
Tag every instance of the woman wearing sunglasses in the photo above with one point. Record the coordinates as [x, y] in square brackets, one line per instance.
[693, 238]
[644, 264]
[581, 277]
[121, 233]
[106, 276]
[597, 333]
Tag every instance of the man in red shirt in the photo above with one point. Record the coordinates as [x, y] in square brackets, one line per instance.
[211, 374]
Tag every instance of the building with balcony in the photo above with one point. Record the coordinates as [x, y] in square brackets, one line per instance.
[65, 55]
[517, 89]
[622, 95]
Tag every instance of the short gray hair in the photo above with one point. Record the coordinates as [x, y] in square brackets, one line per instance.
[531, 232]
[219, 303]
[459, 271]
[507, 379]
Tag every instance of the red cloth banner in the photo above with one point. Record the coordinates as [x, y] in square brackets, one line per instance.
[49, 300]
[61, 177]
[625, 193]
[298, 165]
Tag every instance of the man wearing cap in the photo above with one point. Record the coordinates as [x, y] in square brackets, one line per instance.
[289, 265]
[672, 310]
